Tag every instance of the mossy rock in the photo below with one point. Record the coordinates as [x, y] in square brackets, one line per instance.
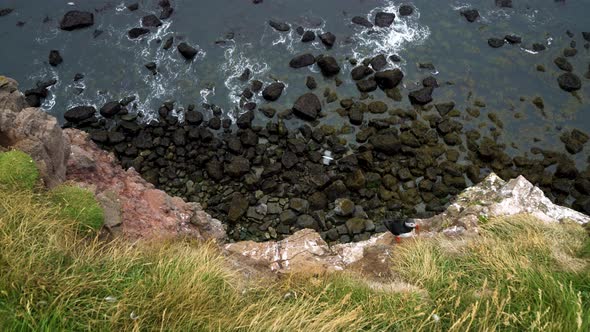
[80, 205]
[18, 170]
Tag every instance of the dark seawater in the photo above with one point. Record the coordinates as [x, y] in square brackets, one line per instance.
[233, 35]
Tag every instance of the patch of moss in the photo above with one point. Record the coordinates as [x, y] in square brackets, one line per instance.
[18, 170]
[79, 204]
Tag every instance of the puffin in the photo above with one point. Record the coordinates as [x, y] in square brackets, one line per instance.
[401, 227]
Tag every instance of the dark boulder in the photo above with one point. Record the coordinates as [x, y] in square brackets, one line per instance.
[308, 36]
[237, 167]
[406, 10]
[133, 7]
[537, 47]
[495, 42]
[387, 143]
[151, 66]
[168, 43]
[362, 21]
[194, 117]
[55, 58]
[110, 109]
[273, 91]
[367, 85]
[356, 116]
[279, 26]
[307, 107]
[328, 65]
[151, 21]
[360, 72]
[383, 19]
[513, 39]
[302, 60]
[245, 76]
[430, 81]
[470, 14]
[5, 11]
[569, 82]
[379, 62]
[389, 79]
[79, 113]
[187, 51]
[563, 64]
[238, 207]
[422, 96]
[75, 19]
[328, 39]
[245, 120]
[166, 13]
[137, 32]
[504, 3]
[586, 36]
[311, 83]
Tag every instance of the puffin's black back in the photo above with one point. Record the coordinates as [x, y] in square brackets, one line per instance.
[396, 226]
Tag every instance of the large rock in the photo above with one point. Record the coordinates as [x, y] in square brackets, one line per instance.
[187, 51]
[273, 91]
[307, 107]
[386, 143]
[362, 21]
[328, 65]
[302, 60]
[328, 39]
[75, 19]
[79, 113]
[389, 79]
[422, 96]
[569, 82]
[383, 19]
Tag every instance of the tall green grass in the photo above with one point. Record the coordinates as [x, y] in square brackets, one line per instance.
[518, 275]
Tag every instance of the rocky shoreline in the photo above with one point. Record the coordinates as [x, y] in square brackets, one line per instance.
[268, 182]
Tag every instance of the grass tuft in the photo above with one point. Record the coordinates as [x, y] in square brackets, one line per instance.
[18, 170]
[80, 205]
[513, 277]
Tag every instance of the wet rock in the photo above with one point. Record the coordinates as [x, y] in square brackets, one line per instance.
[307, 221]
[586, 36]
[563, 64]
[387, 143]
[302, 60]
[569, 82]
[193, 117]
[395, 58]
[110, 109]
[245, 76]
[422, 96]
[288, 217]
[133, 7]
[137, 32]
[273, 91]
[360, 72]
[383, 19]
[539, 47]
[362, 21]
[237, 208]
[237, 167]
[538, 102]
[328, 65]
[75, 19]
[570, 52]
[356, 116]
[406, 10]
[389, 79]
[279, 26]
[311, 83]
[152, 67]
[299, 205]
[379, 62]
[5, 11]
[214, 123]
[308, 36]
[430, 81]
[55, 58]
[367, 85]
[214, 169]
[245, 120]
[79, 113]
[168, 43]
[470, 14]
[495, 42]
[187, 51]
[151, 21]
[504, 3]
[377, 107]
[574, 141]
[166, 12]
[256, 86]
[513, 39]
[444, 108]
[268, 112]
[328, 39]
[289, 159]
[344, 207]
